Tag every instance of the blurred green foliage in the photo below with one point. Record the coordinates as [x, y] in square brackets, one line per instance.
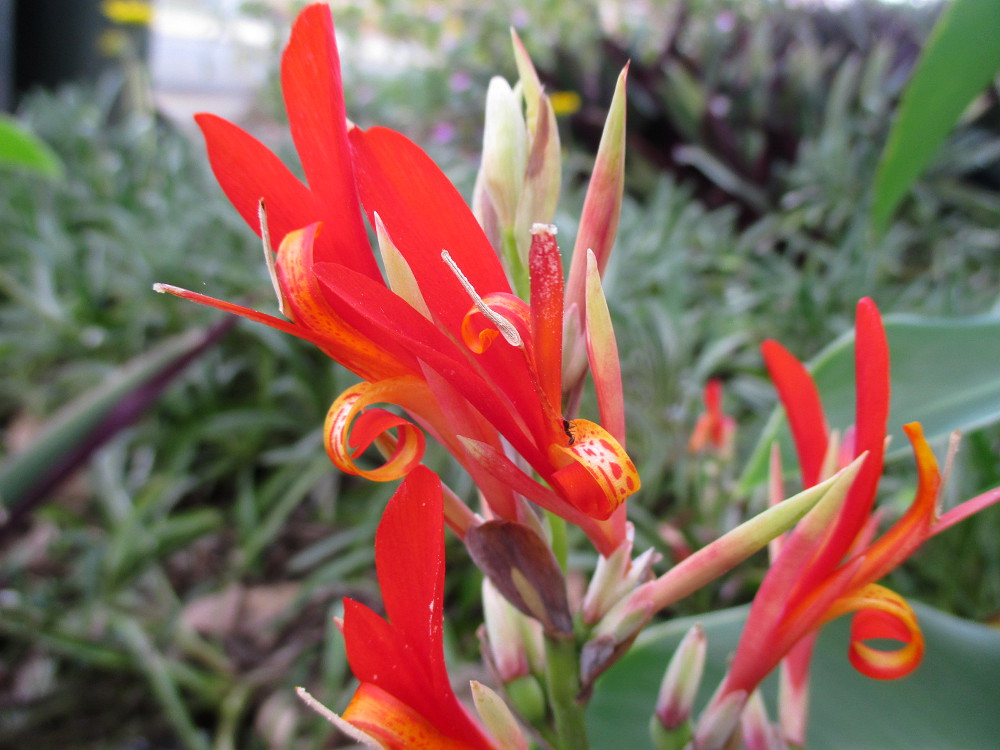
[754, 134]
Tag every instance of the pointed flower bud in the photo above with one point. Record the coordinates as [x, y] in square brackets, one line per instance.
[680, 683]
[505, 149]
[602, 206]
[497, 718]
[756, 730]
[615, 577]
[719, 720]
[544, 169]
[508, 632]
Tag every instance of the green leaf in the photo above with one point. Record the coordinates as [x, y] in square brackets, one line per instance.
[959, 60]
[944, 375]
[84, 424]
[19, 148]
[950, 701]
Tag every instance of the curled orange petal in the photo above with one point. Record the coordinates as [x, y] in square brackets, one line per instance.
[309, 309]
[349, 429]
[881, 614]
[596, 475]
[478, 331]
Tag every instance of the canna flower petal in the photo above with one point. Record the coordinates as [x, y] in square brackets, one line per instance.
[349, 429]
[424, 214]
[394, 724]
[248, 172]
[309, 307]
[405, 692]
[803, 407]
[601, 476]
[314, 99]
[881, 614]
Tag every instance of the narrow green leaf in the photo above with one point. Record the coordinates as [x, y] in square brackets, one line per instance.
[19, 148]
[71, 435]
[950, 701]
[959, 60]
[944, 375]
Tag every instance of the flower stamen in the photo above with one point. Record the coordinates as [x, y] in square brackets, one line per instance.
[506, 328]
[272, 271]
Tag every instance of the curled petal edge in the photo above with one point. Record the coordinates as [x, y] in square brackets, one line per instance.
[507, 306]
[881, 614]
[349, 429]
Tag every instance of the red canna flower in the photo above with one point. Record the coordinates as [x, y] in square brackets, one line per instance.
[828, 565]
[405, 699]
[443, 336]
[714, 430]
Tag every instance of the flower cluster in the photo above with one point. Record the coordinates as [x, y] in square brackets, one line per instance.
[465, 324]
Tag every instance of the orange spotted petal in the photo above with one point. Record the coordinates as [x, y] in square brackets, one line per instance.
[881, 614]
[350, 430]
[596, 475]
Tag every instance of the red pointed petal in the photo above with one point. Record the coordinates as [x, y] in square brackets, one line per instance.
[425, 214]
[314, 99]
[803, 408]
[871, 373]
[378, 655]
[247, 171]
[409, 558]
[405, 657]
[244, 312]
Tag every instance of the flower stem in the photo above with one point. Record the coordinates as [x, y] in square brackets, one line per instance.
[560, 542]
[563, 683]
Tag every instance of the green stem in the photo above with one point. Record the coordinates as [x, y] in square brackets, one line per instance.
[563, 683]
[519, 279]
[560, 542]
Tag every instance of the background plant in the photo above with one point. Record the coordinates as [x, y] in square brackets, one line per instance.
[746, 219]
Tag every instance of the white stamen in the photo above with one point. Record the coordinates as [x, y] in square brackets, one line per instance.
[272, 271]
[349, 729]
[539, 228]
[506, 328]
